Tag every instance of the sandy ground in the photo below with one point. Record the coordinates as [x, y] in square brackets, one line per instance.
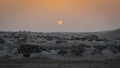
[45, 63]
[60, 65]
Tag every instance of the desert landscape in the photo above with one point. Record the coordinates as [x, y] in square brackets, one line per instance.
[60, 49]
[59, 33]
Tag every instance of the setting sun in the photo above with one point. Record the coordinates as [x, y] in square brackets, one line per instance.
[60, 22]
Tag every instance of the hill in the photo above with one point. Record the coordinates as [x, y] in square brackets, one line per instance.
[113, 34]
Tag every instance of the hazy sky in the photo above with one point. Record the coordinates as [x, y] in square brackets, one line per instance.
[43, 15]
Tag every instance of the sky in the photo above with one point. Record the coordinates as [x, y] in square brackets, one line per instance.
[45, 15]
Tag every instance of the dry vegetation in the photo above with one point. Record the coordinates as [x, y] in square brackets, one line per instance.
[59, 50]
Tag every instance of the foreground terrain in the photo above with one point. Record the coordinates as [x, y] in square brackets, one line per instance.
[43, 63]
[60, 49]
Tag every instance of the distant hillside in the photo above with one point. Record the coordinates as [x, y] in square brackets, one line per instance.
[113, 34]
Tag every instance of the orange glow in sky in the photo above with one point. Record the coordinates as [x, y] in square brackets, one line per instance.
[74, 15]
